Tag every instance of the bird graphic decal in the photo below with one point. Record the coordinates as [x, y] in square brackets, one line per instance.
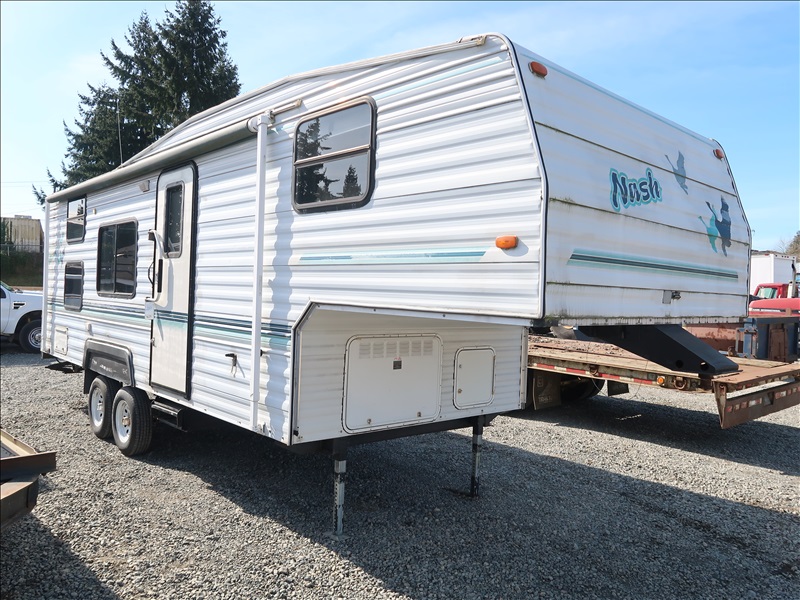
[679, 171]
[719, 227]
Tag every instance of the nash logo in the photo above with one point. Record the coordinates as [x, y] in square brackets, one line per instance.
[626, 192]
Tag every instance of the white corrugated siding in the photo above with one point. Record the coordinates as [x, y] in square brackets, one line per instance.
[322, 361]
[604, 266]
[115, 320]
[453, 147]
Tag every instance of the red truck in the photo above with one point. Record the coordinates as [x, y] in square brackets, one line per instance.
[771, 291]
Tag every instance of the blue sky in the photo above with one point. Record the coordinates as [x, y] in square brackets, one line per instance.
[727, 70]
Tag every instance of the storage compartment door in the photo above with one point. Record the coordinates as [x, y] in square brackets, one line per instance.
[474, 377]
[391, 381]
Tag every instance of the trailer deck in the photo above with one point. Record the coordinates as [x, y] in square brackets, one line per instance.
[758, 388]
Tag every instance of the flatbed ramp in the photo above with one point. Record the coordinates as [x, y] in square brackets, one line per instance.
[756, 389]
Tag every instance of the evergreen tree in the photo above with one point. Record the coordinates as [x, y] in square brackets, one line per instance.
[351, 187]
[140, 75]
[174, 70]
[312, 184]
[94, 145]
[198, 72]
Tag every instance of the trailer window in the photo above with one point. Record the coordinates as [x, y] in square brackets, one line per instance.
[116, 260]
[73, 285]
[333, 159]
[76, 220]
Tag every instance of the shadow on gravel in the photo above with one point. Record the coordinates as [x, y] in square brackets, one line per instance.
[695, 431]
[543, 527]
[25, 547]
[12, 355]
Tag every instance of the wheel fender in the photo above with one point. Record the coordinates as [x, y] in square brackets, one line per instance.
[110, 360]
[24, 320]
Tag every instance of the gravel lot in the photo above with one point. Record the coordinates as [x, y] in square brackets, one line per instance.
[642, 497]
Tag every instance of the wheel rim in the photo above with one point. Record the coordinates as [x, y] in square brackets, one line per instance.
[98, 407]
[35, 337]
[122, 420]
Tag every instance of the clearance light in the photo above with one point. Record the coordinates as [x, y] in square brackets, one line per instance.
[719, 154]
[538, 68]
[506, 242]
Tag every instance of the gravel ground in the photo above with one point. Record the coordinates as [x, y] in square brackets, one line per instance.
[639, 497]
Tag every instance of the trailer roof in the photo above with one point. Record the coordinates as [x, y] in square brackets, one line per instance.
[208, 140]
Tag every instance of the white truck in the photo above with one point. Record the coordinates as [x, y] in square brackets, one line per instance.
[770, 267]
[21, 317]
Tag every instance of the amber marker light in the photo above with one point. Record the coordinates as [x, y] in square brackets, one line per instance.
[538, 68]
[506, 242]
[719, 153]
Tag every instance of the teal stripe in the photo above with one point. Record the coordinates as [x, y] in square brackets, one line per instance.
[118, 314]
[272, 334]
[587, 258]
[172, 317]
[394, 257]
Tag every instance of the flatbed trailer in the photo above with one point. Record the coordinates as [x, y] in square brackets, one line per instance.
[563, 368]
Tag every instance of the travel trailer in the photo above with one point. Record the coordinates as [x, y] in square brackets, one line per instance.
[359, 252]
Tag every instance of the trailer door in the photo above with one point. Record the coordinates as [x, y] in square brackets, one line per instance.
[172, 280]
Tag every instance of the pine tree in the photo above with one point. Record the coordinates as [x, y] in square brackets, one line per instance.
[198, 72]
[174, 70]
[140, 75]
[312, 182]
[351, 187]
[94, 145]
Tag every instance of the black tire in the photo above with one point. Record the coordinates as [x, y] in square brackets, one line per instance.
[30, 336]
[101, 403]
[132, 421]
[580, 389]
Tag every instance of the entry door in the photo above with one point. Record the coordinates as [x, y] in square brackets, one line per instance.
[172, 281]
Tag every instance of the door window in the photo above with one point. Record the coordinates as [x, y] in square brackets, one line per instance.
[173, 226]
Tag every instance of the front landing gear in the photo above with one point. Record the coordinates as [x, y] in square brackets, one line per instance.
[477, 446]
[339, 455]
[339, 472]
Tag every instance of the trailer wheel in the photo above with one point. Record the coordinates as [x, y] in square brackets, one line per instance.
[132, 421]
[30, 336]
[101, 401]
[579, 389]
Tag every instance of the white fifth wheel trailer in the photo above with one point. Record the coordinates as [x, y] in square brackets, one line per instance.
[359, 252]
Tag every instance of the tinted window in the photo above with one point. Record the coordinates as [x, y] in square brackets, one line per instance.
[73, 285]
[116, 260]
[76, 219]
[333, 159]
[335, 132]
[174, 221]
